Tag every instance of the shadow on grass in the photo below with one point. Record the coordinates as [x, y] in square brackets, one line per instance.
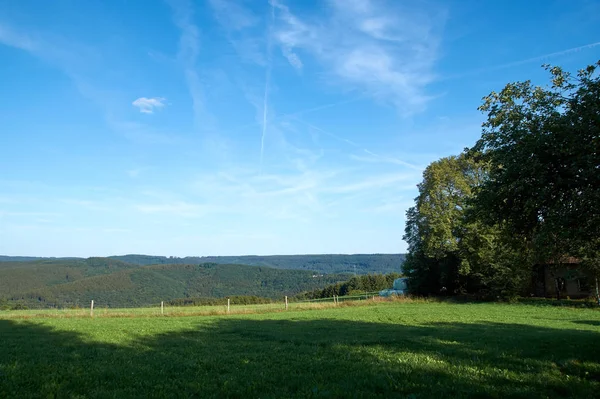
[589, 322]
[318, 358]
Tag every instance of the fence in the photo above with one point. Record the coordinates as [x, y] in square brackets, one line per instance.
[337, 299]
[96, 309]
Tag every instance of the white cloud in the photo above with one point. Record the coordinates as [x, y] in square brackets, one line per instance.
[386, 49]
[148, 105]
[233, 15]
[15, 39]
[243, 30]
[187, 55]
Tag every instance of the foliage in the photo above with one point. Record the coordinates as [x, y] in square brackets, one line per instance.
[111, 282]
[330, 264]
[543, 148]
[527, 193]
[361, 263]
[357, 284]
[405, 350]
[450, 250]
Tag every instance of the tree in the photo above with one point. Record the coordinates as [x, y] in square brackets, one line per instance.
[436, 225]
[542, 145]
[451, 251]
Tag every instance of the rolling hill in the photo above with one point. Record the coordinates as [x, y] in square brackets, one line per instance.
[115, 283]
[359, 264]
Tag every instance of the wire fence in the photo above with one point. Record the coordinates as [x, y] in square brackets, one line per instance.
[356, 297]
[96, 309]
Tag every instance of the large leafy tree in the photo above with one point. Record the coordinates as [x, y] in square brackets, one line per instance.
[451, 251]
[542, 145]
[436, 225]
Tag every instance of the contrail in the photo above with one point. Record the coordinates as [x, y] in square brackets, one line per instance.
[526, 61]
[267, 81]
[550, 55]
[352, 143]
[355, 145]
[325, 106]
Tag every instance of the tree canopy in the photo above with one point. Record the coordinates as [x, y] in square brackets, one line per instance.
[543, 148]
[527, 191]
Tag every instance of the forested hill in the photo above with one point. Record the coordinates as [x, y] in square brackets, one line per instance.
[114, 283]
[359, 264]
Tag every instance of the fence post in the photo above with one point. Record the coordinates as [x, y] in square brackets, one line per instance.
[286, 303]
[92, 309]
[162, 307]
[228, 303]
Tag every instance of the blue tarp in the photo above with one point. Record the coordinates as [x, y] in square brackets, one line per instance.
[399, 288]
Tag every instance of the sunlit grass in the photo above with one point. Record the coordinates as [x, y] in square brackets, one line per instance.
[362, 349]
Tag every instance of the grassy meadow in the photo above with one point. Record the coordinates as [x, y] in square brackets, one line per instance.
[385, 349]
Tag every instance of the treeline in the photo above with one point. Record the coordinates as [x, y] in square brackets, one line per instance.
[527, 193]
[356, 285]
[359, 263]
[329, 264]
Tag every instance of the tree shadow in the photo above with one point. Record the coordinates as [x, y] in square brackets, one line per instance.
[304, 358]
[589, 322]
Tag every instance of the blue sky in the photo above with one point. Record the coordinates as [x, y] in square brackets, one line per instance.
[223, 127]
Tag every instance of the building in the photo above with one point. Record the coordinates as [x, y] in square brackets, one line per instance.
[562, 279]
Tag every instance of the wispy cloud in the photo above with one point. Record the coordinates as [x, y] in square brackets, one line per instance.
[242, 29]
[387, 49]
[14, 39]
[148, 105]
[80, 63]
[267, 82]
[142, 133]
[372, 157]
[391, 207]
[179, 208]
[189, 49]
[28, 214]
[134, 173]
[539, 58]
[233, 15]
[92, 205]
[71, 57]
[371, 182]
[293, 35]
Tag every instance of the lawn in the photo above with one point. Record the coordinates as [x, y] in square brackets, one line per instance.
[395, 349]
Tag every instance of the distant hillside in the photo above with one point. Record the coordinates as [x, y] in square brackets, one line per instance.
[4, 258]
[114, 283]
[360, 264]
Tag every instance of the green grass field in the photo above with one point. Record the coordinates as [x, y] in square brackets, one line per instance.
[387, 349]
